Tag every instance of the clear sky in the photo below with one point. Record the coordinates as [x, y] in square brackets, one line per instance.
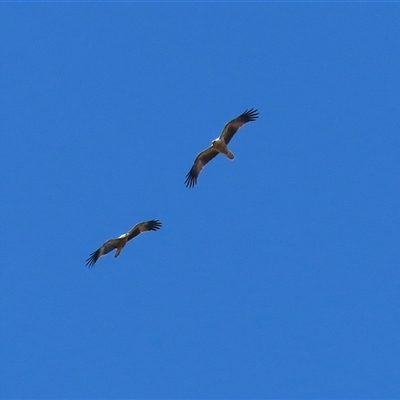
[277, 276]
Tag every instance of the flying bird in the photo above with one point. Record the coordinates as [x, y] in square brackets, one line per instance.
[219, 145]
[121, 241]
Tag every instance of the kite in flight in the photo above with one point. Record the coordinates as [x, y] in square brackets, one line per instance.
[219, 145]
[121, 241]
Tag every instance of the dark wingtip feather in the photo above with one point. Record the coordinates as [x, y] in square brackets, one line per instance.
[190, 180]
[91, 260]
[251, 114]
[155, 224]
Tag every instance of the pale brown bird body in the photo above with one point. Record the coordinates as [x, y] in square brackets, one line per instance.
[120, 242]
[219, 145]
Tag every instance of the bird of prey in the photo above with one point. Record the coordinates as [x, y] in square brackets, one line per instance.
[121, 241]
[219, 145]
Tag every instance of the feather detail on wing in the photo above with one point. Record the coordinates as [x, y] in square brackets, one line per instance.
[152, 225]
[201, 160]
[108, 246]
[232, 126]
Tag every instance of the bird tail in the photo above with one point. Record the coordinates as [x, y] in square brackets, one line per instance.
[230, 155]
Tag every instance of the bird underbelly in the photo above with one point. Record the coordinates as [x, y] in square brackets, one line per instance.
[221, 147]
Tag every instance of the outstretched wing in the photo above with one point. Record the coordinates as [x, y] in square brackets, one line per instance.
[152, 225]
[105, 248]
[232, 126]
[201, 160]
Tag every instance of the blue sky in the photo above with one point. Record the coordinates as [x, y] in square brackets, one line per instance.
[277, 276]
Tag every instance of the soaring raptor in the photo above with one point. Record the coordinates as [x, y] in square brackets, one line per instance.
[121, 241]
[219, 145]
